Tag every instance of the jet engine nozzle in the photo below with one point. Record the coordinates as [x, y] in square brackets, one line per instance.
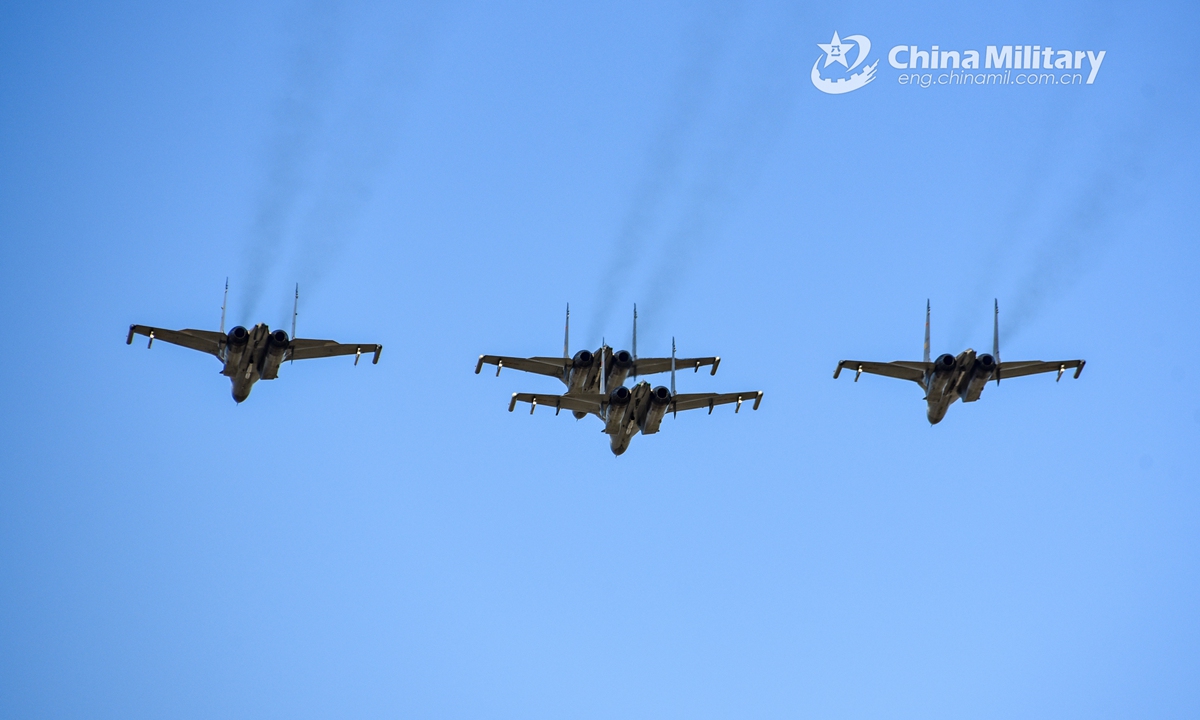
[660, 401]
[236, 344]
[583, 359]
[972, 386]
[622, 359]
[277, 348]
[618, 409]
[945, 362]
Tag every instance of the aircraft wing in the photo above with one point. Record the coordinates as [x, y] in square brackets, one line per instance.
[582, 402]
[552, 366]
[901, 369]
[650, 366]
[1033, 367]
[302, 349]
[695, 401]
[205, 341]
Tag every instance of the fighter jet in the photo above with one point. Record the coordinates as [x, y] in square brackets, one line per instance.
[627, 411]
[951, 378]
[582, 374]
[252, 355]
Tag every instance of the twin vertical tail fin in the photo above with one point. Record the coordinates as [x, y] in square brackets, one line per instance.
[926, 330]
[676, 412]
[603, 367]
[996, 339]
[604, 381]
[635, 342]
[295, 312]
[224, 303]
[567, 334]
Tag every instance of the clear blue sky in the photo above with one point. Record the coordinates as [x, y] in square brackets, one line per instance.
[388, 541]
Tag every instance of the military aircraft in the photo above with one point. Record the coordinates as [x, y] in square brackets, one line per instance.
[627, 411]
[582, 374]
[951, 378]
[252, 355]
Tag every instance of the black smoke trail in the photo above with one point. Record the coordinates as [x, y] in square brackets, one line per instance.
[662, 176]
[299, 114]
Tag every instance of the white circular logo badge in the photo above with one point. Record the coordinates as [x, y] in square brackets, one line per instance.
[836, 52]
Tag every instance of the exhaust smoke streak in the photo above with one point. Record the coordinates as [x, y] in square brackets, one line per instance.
[1025, 207]
[662, 176]
[364, 142]
[1075, 230]
[330, 161]
[1082, 235]
[671, 226]
[731, 167]
[299, 114]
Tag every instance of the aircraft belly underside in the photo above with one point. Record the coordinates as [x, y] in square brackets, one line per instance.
[938, 407]
[619, 440]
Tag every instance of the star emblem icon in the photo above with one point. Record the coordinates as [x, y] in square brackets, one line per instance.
[835, 51]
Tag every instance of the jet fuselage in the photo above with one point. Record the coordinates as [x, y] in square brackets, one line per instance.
[584, 374]
[956, 378]
[633, 410]
[252, 355]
